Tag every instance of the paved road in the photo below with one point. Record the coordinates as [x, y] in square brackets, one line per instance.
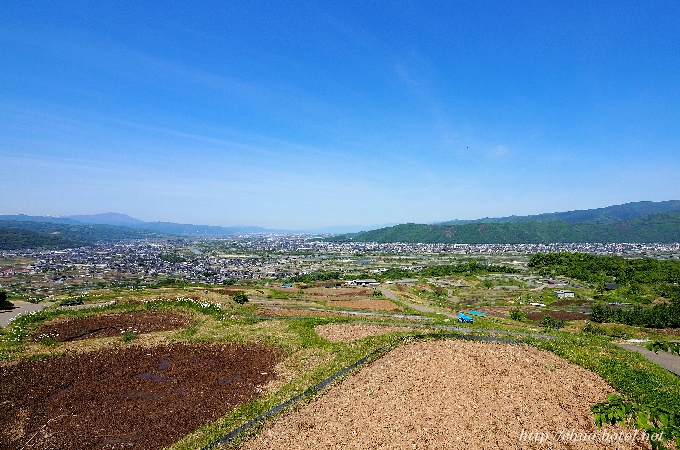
[19, 307]
[665, 360]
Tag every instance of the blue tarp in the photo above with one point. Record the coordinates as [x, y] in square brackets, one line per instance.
[464, 318]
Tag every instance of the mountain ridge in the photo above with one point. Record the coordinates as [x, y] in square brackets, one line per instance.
[660, 227]
[607, 214]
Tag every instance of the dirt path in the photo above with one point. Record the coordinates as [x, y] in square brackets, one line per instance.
[421, 308]
[665, 360]
[19, 307]
[452, 394]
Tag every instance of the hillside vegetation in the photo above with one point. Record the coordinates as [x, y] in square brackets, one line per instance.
[609, 214]
[661, 227]
[16, 238]
[17, 234]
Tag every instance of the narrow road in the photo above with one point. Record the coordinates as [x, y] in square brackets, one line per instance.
[665, 360]
[422, 308]
[19, 307]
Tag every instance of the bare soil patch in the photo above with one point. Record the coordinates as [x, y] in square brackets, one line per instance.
[112, 325]
[371, 305]
[450, 394]
[563, 315]
[127, 397]
[344, 332]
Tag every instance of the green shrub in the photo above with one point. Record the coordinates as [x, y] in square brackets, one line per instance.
[129, 335]
[240, 298]
[669, 347]
[661, 425]
[619, 333]
[550, 323]
[518, 314]
[595, 329]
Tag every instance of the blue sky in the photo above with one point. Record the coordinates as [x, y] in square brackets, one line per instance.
[301, 115]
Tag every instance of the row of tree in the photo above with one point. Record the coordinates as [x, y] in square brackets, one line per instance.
[600, 269]
[468, 268]
[664, 315]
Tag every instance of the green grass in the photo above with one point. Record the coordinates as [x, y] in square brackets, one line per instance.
[310, 359]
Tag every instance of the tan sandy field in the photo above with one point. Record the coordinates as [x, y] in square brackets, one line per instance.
[453, 394]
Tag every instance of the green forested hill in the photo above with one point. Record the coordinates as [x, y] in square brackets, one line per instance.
[19, 234]
[609, 214]
[662, 227]
[16, 238]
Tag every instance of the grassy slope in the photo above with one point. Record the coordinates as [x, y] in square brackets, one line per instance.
[311, 358]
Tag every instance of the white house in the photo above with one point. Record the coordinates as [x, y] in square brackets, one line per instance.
[564, 294]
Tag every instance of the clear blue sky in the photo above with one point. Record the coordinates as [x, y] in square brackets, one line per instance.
[310, 114]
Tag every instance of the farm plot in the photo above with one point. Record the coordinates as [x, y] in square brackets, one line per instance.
[132, 397]
[107, 325]
[295, 313]
[371, 305]
[349, 332]
[452, 394]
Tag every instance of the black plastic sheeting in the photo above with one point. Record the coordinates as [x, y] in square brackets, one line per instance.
[275, 410]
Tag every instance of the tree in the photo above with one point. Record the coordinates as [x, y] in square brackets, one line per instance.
[240, 298]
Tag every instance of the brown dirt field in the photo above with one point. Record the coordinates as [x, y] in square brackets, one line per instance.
[344, 332]
[112, 325]
[130, 397]
[450, 394]
[558, 315]
[372, 305]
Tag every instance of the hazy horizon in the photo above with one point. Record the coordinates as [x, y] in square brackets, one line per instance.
[312, 115]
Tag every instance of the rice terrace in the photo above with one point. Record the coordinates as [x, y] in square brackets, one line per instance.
[376, 355]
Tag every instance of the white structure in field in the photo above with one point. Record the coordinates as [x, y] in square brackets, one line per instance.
[564, 294]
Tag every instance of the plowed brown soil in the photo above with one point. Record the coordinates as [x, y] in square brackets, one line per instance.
[141, 398]
[452, 395]
[346, 332]
[112, 325]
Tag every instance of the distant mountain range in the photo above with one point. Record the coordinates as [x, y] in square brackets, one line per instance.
[631, 222]
[56, 235]
[116, 219]
[22, 231]
[610, 214]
